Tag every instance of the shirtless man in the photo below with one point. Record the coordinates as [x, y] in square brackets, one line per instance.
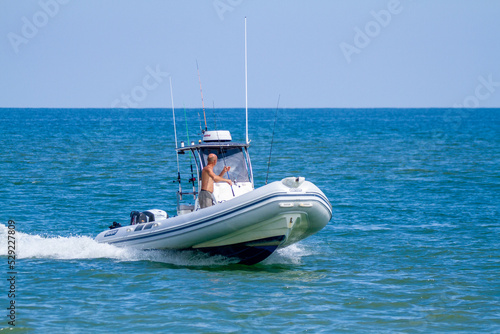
[208, 178]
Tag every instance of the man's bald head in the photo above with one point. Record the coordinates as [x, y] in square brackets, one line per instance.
[212, 159]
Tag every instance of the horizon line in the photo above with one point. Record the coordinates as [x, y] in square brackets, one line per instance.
[250, 108]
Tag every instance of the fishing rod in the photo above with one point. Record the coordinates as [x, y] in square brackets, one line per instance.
[215, 116]
[175, 135]
[221, 149]
[192, 179]
[199, 119]
[220, 119]
[272, 139]
[224, 160]
[201, 92]
[205, 118]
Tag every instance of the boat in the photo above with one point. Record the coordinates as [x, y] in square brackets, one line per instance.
[244, 223]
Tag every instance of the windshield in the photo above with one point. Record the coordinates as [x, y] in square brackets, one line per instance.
[232, 157]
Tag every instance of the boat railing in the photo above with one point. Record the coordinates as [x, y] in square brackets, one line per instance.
[194, 193]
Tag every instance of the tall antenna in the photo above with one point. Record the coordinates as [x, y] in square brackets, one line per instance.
[246, 83]
[201, 92]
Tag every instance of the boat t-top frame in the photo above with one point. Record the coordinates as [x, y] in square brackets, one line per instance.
[232, 154]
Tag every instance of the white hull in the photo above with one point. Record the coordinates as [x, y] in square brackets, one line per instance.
[250, 226]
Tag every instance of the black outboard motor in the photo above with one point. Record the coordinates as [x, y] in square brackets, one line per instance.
[133, 217]
[115, 225]
[137, 217]
[150, 215]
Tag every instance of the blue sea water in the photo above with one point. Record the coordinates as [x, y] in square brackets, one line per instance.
[413, 245]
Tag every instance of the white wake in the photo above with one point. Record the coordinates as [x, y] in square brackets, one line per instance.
[84, 247]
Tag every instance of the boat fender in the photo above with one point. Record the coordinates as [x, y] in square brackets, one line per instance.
[293, 182]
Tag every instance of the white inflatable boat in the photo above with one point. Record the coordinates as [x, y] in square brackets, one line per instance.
[246, 223]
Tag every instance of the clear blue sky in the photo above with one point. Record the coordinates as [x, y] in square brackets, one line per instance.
[314, 53]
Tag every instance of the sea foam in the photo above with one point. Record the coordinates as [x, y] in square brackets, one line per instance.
[64, 248]
[83, 247]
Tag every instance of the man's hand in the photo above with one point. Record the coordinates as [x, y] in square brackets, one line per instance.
[226, 169]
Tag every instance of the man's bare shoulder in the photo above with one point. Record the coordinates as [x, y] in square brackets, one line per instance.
[208, 169]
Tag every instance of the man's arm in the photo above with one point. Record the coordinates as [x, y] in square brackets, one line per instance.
[218, 178]
[225, 170]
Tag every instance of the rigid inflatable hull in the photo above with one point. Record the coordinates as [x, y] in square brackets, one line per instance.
[250, 227]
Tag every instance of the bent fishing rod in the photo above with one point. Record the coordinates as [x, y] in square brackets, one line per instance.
[224, 160]
[201, 92]
[205, 118]
[272, 138]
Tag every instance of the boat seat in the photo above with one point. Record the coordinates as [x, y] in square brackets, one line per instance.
[184, 208]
